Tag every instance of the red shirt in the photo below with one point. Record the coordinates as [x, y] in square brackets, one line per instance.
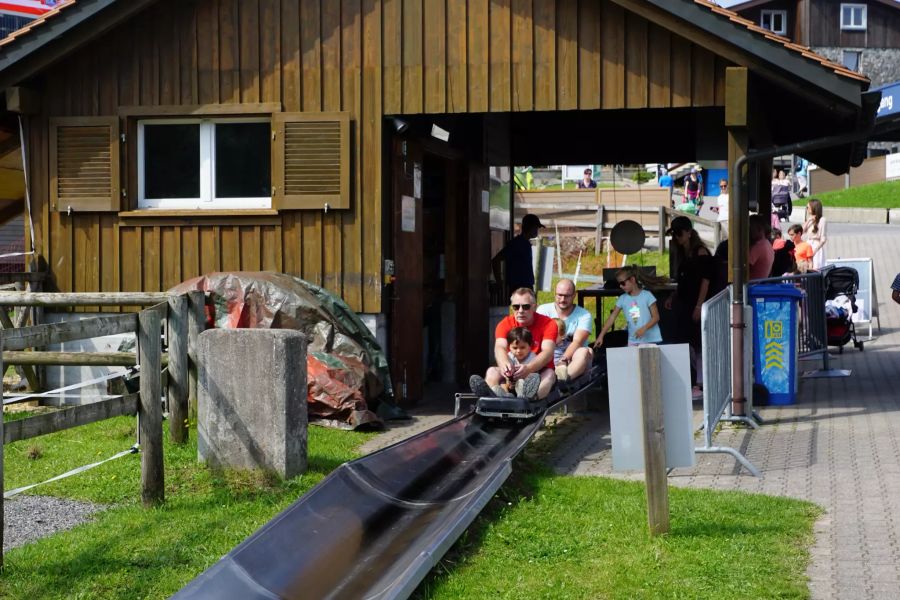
[542, 328]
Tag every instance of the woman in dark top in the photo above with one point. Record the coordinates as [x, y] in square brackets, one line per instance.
[692, 188]
[695, 272]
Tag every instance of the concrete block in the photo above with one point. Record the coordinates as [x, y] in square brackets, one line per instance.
[894, 216]
[252, 400]
[856, 215]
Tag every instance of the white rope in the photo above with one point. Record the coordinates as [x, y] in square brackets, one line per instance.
[27, 189]
[133, 450]
[57, 391]
[577, 269]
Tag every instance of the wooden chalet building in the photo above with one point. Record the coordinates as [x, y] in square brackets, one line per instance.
[863, 35]
[170, 138]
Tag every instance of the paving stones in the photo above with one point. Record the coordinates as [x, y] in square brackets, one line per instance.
[839, 446]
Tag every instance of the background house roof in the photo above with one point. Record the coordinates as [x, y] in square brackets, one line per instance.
[803, 51]
[38, 22]
[739, 6]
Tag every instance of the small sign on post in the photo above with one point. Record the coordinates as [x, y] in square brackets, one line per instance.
[654, 440]
[651, 418]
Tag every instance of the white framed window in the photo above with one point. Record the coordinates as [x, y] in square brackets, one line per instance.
[853, 17]
[204, 163]
[851, 59]
[774, 20]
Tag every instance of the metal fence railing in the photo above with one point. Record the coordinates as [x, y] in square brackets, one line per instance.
[715, 330]
[812, 336]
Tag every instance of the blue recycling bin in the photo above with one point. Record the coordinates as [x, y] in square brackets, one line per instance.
[775, 309]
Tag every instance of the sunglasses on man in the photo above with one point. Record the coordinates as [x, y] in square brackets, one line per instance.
[522, 306]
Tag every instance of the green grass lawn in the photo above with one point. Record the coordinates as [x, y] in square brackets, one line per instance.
[543, 536]
[876, 195]
[132, 552]
[587, 538]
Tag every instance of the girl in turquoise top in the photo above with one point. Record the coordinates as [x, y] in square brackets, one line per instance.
[639, 306]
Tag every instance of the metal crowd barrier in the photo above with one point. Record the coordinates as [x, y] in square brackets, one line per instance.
[715, 330]
[812, 337]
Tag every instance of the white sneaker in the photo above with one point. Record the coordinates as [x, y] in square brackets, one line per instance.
[562, 373]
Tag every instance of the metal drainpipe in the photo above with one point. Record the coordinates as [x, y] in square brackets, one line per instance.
[737, 270]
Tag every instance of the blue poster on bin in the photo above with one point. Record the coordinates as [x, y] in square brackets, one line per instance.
[775, 326]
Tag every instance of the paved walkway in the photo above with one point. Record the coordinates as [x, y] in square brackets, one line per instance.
[839, 446]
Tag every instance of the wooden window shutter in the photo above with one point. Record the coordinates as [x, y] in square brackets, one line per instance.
[84, 164]
[311, 160]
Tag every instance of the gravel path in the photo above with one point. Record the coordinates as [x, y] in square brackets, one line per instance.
[27, 518]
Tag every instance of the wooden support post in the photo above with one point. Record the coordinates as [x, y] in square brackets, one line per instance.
[738, 112]
[33, 382]
[177, 388]
[196, 325]
[150, 413]
[654, 439]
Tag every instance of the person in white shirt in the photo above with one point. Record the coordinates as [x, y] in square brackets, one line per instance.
[721, 207]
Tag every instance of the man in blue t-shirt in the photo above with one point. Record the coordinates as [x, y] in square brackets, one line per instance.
[516, 256]
[573, 355]
[666, 181]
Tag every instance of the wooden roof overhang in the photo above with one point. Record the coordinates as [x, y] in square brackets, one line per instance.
[798, 94]
[65, 28]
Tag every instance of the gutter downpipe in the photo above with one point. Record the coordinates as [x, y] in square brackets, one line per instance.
[740, 253]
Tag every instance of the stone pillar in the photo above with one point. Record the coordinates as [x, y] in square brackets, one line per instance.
[252, 400]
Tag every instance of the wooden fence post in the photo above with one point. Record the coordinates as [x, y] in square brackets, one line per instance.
[662, 231]
[177, 388]
[598, 236]
[150, 411]
[32, 379]
[196, 324]
[654, 439]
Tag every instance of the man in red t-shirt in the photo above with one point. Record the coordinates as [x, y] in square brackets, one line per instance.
[544, 333]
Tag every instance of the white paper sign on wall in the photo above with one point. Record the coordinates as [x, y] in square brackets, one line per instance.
[408, 214]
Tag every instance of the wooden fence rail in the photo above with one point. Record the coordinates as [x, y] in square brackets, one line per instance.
[184, 317]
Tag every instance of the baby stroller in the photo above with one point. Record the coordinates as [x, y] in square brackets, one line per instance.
[841, 285]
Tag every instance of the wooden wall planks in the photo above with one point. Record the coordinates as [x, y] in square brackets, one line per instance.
[368, 57]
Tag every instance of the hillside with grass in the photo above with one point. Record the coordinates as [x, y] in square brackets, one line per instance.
[885, 194]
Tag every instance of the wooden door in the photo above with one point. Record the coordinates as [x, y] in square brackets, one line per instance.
[406, 289]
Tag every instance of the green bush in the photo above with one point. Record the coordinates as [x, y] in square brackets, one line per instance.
[642, 176]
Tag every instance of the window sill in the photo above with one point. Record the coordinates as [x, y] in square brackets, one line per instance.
[150, 213]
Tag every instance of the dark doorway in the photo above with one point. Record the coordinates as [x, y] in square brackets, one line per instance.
[427, 202]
